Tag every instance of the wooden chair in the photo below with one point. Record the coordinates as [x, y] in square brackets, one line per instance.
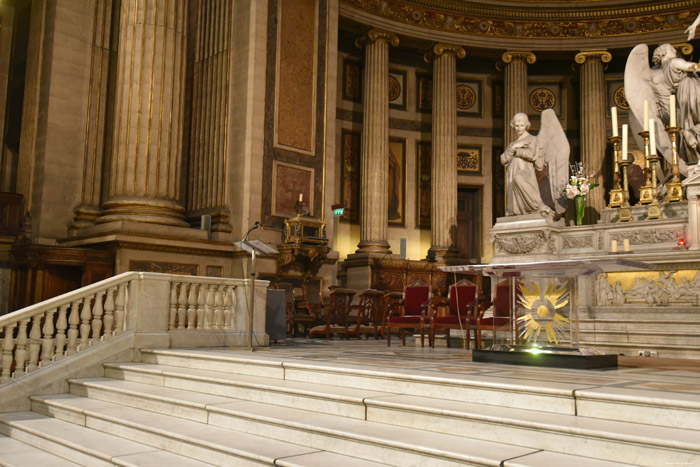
[336, 314]
[307, 312]
[410, 312]
[501, 312]
[461, 305]
[289, 304]
[370, 311]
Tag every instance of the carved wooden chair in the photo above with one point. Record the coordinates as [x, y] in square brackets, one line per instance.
[501, 317]
[461, 306]
[409, 313]
[336, 314]
[307, 312]
[370, 311]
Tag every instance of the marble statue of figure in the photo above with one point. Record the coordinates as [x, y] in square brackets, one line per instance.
[528, 154]
[669, 75]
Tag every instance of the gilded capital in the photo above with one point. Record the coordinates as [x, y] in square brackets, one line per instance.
[684, 47]
[442, 49]
[374, 35]
[601, 54]
[511, 55]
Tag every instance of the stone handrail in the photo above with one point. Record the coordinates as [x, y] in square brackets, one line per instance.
[158, 304]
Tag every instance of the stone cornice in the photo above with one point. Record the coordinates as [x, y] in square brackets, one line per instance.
[373, 35]
[603, 55]
[443, 49]
[590, 20]
[511, 55]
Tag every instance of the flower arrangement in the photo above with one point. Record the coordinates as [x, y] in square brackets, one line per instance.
[578, 182]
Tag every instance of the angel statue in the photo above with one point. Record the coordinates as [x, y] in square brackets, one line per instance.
[528, 155]
[669, 75]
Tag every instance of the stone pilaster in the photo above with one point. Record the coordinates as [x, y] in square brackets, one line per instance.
[375, 141]
[515, 99]
[593, 129]
[145, 175]
[443, 230]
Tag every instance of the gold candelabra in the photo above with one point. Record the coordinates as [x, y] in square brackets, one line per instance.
[646, 192]
[616, 196]
[625, 208]
[675, 189]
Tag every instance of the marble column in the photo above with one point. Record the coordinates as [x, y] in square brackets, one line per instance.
[593, 125]
[145, 175]
[515, 99]
[443, 205]
[374, 163]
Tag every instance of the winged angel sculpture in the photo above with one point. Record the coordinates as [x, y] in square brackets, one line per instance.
[528, 155]
[668, 75]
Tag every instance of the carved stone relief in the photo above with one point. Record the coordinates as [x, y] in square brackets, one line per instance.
[662, 291]
[642, 237]
[578, 242]
[521, 244]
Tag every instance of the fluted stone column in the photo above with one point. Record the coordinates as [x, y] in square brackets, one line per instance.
[515, 99]
[147, 149]
[374, 164]
[593, 129]
[443, 205]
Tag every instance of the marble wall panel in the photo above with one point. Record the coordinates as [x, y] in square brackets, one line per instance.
[423, 183]
[396, 182]
[350, 182]
[289, 182]
[470, 159]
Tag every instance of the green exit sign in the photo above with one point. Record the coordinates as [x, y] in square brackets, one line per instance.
[338, 212]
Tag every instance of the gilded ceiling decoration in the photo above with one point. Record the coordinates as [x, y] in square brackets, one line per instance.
[591, 19]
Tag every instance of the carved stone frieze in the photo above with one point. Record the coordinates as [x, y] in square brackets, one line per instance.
[578, 242]
[645, 237]
[521, 244]
[664, 290]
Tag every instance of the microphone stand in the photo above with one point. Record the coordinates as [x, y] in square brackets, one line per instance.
[251, 311]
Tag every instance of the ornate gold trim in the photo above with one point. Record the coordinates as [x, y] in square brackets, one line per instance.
[685, 48]
[584, 55]
[442, 49]
[375, 34]
[510, 55]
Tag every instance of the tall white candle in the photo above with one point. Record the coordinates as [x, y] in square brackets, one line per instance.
[613, 246]
[652, 136]
[672, 110]
[624, 142]
[613, 112]
[301, 197]
[646, 115]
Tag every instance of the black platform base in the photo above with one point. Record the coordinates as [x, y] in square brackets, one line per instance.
[550, 357]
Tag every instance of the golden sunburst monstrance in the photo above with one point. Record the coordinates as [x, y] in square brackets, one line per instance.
[541, 312]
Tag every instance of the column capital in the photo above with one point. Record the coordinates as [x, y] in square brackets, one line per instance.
[510, 55]
[600, 54]
[443, 49]
[374, 35]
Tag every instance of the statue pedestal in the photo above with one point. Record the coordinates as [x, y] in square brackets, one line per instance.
[525, 238]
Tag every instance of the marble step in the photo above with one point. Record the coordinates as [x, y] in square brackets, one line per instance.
[620, 441]
[642, 313]
[639, 325]
[336, 400]
[75, 444]
[15, 453]
[649, 337]
[376, 442]
[663, 351]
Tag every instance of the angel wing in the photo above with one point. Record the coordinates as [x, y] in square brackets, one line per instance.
[638, 88]
[554, 147]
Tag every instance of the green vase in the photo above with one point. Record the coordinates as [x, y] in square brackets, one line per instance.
[580, 203]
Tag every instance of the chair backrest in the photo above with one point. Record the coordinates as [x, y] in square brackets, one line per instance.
[501, 303]
[371, 306]
[414, 297]
[462, 295]
[288, 291]
[339, 305]
[312, 292]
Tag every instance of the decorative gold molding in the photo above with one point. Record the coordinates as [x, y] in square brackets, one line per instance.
[601, 54]
[442, 49]
[373, 35]
[510, 55]
[684, 47]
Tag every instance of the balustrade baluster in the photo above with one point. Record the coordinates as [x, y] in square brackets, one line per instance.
[97, 312]
[201, 301]
[8, 345]
[172, 316]
[120, 303]
[182, 307]
[109, 313]
[219, 308]
[34, 343]
[21, 347]
[209, 308]
[61, 326]
[192, 307]
[73, 321]
[228, 306]
[85, 317]
[47, 342]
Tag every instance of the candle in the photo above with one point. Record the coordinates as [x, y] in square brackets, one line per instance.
[672, 110]
[613, 112]
[626, 244]
[652, 136]
[301, 197]
[613, 246]
[646, 115]
[624, 142]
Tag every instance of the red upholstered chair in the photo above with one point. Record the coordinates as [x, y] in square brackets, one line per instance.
[461, 305]
[501, 312]
[409, 313]
[336, 313]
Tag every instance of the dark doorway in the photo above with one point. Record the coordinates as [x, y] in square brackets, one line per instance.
[469, 222]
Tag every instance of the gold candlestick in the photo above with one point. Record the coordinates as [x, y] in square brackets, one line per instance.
[675, 189]
[616, 193]
[653, 210]
[625, 208]
[646, 194]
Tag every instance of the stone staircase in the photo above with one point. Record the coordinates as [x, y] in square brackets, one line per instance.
[670, 332]
[217, 407]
